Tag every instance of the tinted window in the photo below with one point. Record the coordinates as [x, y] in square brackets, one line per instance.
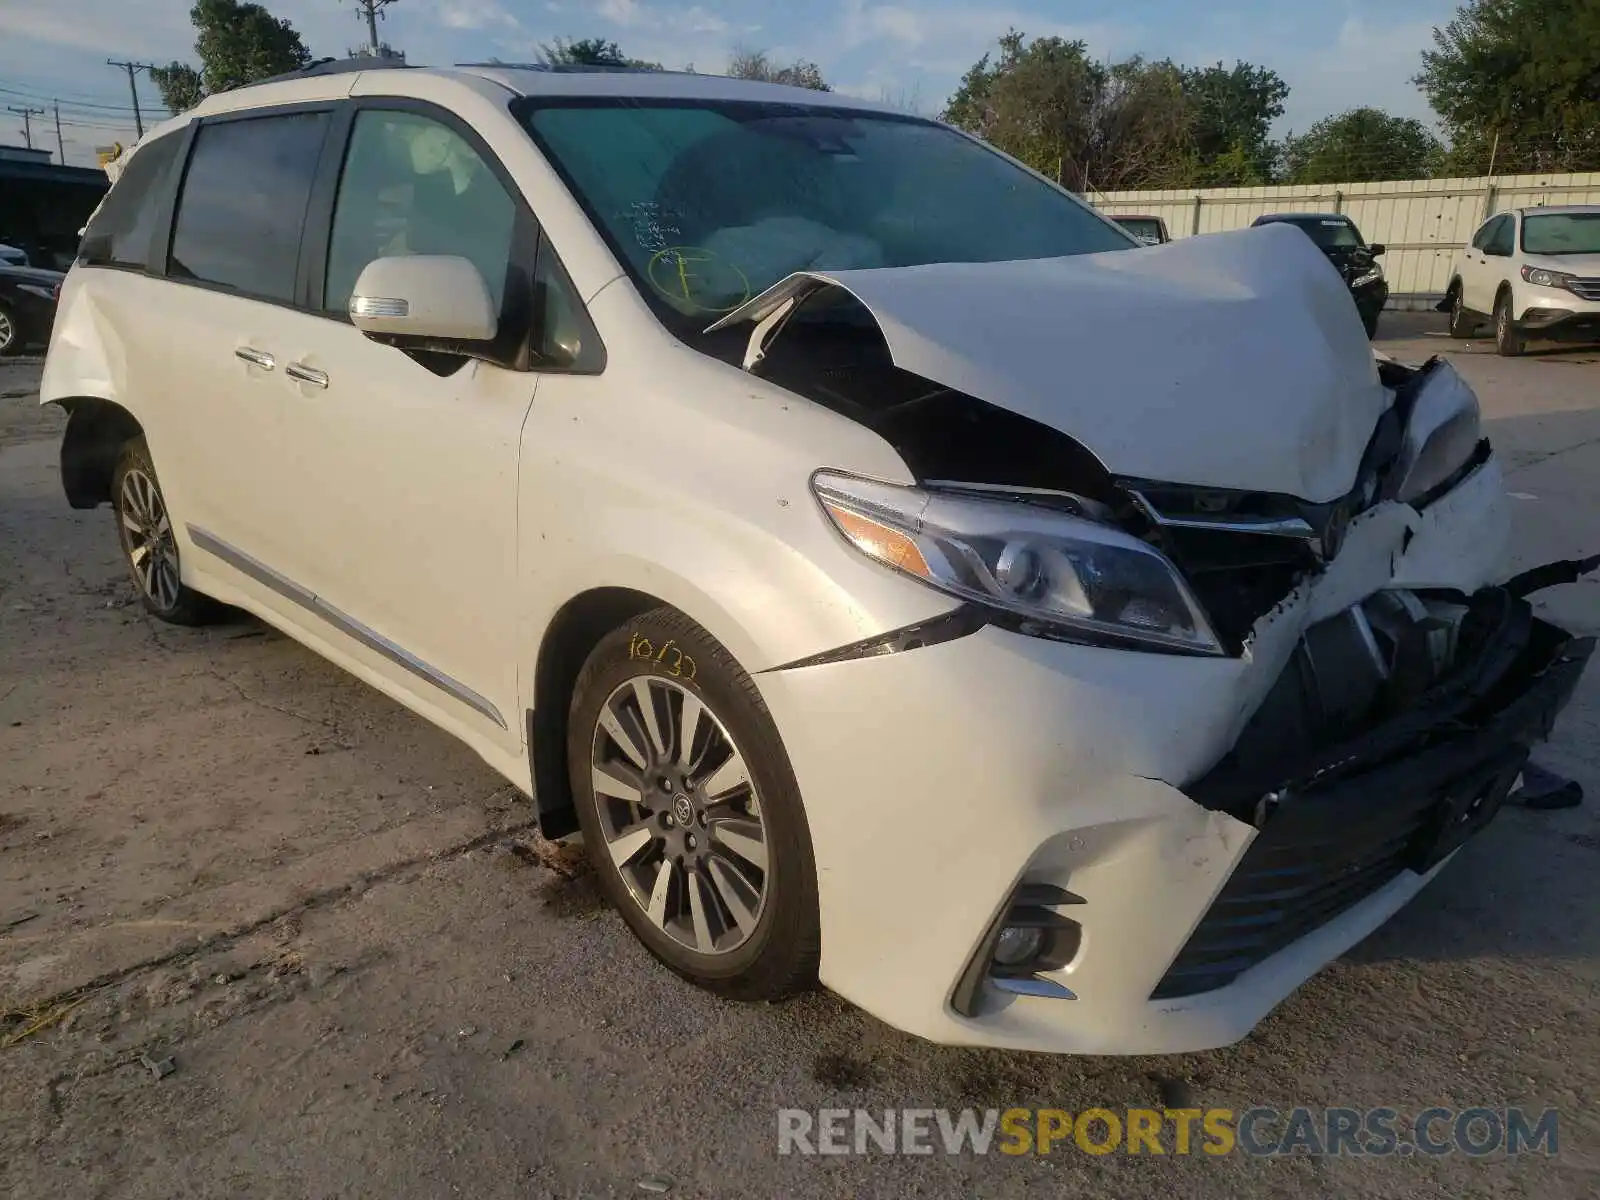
[123, 227]
[1485, 235]
[412, 185]
[708, 203]
[563, 337]
[1330, 233]
[1504, 240]
[244, 202]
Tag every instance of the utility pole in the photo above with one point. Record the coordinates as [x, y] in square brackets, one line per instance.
[27, 115]
[60, 144]
[132, 68]
[370, 11]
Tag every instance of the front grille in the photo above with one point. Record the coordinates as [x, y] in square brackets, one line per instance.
[1585, 289]
[1296, 876]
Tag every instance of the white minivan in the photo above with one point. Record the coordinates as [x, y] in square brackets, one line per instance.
[895, 580]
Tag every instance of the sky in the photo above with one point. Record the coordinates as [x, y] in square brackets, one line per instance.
[1335, 54]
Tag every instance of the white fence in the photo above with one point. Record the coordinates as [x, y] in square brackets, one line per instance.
[1421, 222]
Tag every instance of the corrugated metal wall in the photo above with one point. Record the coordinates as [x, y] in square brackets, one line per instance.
[1422, 222]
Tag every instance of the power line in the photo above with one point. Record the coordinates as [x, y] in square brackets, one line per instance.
[133, 68]
[39, 96]
[27, 115]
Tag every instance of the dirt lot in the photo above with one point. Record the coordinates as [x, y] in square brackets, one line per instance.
[368, 978]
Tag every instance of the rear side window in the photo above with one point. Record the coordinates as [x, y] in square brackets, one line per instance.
[1485, 235]
[244, 203]
[122, 229]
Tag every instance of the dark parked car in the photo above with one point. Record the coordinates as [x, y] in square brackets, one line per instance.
[27, 307]
[1152, 231]
[1338, 238]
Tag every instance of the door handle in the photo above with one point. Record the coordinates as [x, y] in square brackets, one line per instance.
[301, 373]
[256, 358]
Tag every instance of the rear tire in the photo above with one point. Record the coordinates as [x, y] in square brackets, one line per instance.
[149, 541]
[690, 810]
[1462, 327]
[1508, 343]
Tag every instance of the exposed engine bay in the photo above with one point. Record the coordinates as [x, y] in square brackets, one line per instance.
[1241, 551]
[1373, 670]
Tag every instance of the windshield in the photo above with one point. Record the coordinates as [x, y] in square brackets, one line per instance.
[1146, 229]
[1330, 233]
[1562, 233]
[708, 203]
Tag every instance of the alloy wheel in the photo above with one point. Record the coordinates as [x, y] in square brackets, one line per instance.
[8, 331]
[680, 814]
[147, 534]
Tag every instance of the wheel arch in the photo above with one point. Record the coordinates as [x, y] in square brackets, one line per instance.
[97, 429]
[571, 635]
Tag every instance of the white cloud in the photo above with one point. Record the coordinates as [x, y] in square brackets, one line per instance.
[1366, 65]
[476, 15]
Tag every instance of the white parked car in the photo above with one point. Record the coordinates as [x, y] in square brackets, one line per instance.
[1532, 273]
[783, 491]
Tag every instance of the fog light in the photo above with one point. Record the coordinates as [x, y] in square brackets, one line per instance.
[1017, 944]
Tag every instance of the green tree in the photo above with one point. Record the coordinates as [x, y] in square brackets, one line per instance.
[1231, 110]
[591, 52]
[1362, 144]
[1518, 80]
[237, 44]
[1086, 124]
[754, 64]
[180, 86]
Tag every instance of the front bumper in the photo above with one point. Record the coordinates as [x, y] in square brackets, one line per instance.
[1561, 324]
[1396, 801]
[940, 779]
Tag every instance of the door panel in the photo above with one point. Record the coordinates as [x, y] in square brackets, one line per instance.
[230, 273]
[398, 510]
[1477, 292]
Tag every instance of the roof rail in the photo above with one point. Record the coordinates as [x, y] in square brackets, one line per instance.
[337, 66]
[572, 68]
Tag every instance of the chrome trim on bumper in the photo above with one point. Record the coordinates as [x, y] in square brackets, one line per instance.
[342, 621]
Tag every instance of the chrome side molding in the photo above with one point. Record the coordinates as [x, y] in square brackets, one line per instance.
[342, 621]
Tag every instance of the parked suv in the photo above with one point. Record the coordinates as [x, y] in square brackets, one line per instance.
[780, 489]
[1532, 273]
[1355, 260]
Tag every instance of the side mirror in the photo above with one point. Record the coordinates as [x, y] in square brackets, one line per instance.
[1376, 249]
[423, 298]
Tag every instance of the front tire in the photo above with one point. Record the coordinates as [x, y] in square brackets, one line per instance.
[1508, 343]
[149, 542]
[690, 810]
[1462, 327]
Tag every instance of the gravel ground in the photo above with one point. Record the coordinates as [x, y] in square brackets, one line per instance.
[282, 938]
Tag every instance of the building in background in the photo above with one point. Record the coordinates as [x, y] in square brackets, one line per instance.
[43, 204]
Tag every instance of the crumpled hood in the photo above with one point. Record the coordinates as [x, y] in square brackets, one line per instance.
[1233, 360]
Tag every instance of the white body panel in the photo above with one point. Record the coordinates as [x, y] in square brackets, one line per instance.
[1066, 342]
[397, 515]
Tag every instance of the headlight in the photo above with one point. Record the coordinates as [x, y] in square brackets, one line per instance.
[1540, 277]
[1441, 435]
[1371, 276]
[34, 289]
[1059, 573]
